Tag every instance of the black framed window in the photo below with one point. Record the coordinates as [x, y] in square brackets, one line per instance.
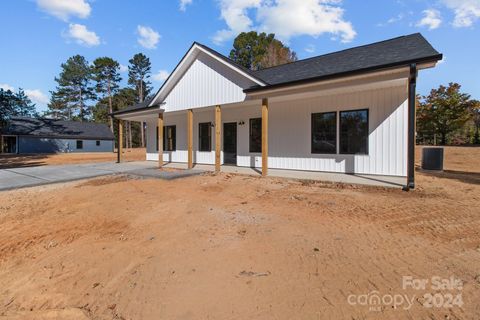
[79, 144]
[324, 132]
[255, 135]
[354, 132]
[169, 138]
[205, 136]
[97, 143]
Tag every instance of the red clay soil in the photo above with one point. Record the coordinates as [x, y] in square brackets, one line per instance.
[237, 247]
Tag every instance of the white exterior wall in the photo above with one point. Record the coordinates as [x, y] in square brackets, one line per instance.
[206, 83]
[290, 133]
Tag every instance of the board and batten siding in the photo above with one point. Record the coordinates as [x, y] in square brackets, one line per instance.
[207, 82]
[290, 133]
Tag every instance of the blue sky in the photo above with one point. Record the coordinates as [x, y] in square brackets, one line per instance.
[38, 35]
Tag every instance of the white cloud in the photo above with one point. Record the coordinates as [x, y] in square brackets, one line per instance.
[466, 11]
[148, 38]
[37, 96]
[399, 17]
[6, 87]
[82, 35]
[184, 4]
[63, 9]
[161, 75]
[310, 48]
[306, 17]
[431, 19]
[123, 68]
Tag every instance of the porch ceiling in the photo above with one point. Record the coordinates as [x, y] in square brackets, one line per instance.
[139, 116]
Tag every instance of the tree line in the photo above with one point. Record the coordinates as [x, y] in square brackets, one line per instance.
[90, 92]
[15, 104]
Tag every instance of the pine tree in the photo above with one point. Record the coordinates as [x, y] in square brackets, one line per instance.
[24, 107]
[74, 88]
[139, 72]
[15, 105]
[107, 77]
[57, 107]
[7, 106]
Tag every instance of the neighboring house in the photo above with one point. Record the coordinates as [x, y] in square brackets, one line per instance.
[351, 111]
[29, 135]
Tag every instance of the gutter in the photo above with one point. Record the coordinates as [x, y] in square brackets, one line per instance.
[412, 84]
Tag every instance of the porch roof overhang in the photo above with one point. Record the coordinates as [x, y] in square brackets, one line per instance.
[138, 113]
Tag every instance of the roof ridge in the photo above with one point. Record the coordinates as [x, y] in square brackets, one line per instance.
[336, 52]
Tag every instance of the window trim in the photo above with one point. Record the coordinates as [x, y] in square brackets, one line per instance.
[209, 125]
[336, 132]
[340, 132]
[250, 135]
[174, 144]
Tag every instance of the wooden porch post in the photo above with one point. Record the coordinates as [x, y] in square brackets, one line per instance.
[264, 137]
[218, 134]
[1, 143]
[160, 140]
[120, 141]
[190, 137]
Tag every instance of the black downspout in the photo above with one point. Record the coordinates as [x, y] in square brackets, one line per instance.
[412, 84]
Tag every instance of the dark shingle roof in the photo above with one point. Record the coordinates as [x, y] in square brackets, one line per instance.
[402, 50]
[43, 127]
[395, 52]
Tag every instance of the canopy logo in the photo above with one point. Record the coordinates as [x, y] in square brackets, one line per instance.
[438, 299]
[375, 301]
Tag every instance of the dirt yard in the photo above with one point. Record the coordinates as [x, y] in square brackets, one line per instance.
[237, 247]
[16, 161]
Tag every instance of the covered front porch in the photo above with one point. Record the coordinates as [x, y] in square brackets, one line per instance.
[175, 139]
[172, 136]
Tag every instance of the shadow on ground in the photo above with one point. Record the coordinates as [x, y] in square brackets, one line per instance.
[22, 161]
[462, 176]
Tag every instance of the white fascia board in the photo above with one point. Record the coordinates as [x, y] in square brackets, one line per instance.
[233, 67]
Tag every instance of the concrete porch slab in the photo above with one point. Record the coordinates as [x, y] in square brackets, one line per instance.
[361, 179]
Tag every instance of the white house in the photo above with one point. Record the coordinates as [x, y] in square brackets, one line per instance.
[351, 111]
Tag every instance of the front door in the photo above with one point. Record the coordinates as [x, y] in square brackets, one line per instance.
[9, 144]
[230, 143]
